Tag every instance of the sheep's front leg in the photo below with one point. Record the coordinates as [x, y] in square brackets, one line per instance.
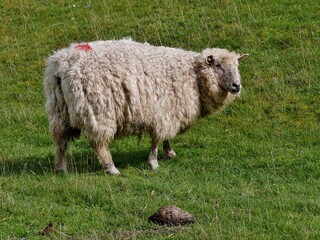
[168, 151]
[153, 156]
[105, 158]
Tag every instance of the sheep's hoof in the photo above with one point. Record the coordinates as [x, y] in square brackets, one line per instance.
[170, 154]
[154, 165]
[112, 170]
[61, 168]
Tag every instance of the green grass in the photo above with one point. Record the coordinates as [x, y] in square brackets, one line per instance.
[249, 172]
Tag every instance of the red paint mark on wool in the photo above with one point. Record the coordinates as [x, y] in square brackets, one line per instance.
[84, 47]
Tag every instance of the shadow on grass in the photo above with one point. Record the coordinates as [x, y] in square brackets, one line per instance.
[78, 162]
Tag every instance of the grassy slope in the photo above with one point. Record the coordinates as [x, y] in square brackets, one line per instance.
[249, 172]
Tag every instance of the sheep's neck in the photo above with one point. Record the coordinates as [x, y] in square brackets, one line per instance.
[213, 98]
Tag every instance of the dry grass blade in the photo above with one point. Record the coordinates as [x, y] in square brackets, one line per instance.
[47, 230]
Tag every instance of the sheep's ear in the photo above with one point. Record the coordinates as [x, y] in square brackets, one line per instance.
[242, 56]
[210, 60]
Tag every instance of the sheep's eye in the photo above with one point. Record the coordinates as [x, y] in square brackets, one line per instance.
[218, 66]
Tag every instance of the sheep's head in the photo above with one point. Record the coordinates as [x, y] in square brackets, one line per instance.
[222, 66]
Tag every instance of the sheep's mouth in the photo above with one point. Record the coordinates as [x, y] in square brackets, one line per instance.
[232, 90]
[235, 91]
[235, 88]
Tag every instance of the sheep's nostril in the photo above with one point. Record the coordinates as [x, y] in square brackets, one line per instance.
[236, 85]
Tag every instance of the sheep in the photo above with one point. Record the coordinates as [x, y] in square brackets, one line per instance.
[104, 90]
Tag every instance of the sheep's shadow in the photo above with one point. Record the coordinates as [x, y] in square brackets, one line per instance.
[79, 162]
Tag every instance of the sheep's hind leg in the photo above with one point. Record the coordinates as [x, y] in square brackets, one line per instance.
[105, 159]
[153, 156]
[60, 158]
[62, 139]
[168, 151]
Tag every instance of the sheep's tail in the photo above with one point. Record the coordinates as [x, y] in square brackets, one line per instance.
[55, 106]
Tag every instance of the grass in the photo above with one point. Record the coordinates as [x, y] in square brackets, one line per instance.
[248, 172]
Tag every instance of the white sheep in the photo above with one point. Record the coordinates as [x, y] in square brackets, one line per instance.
[108, 89]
